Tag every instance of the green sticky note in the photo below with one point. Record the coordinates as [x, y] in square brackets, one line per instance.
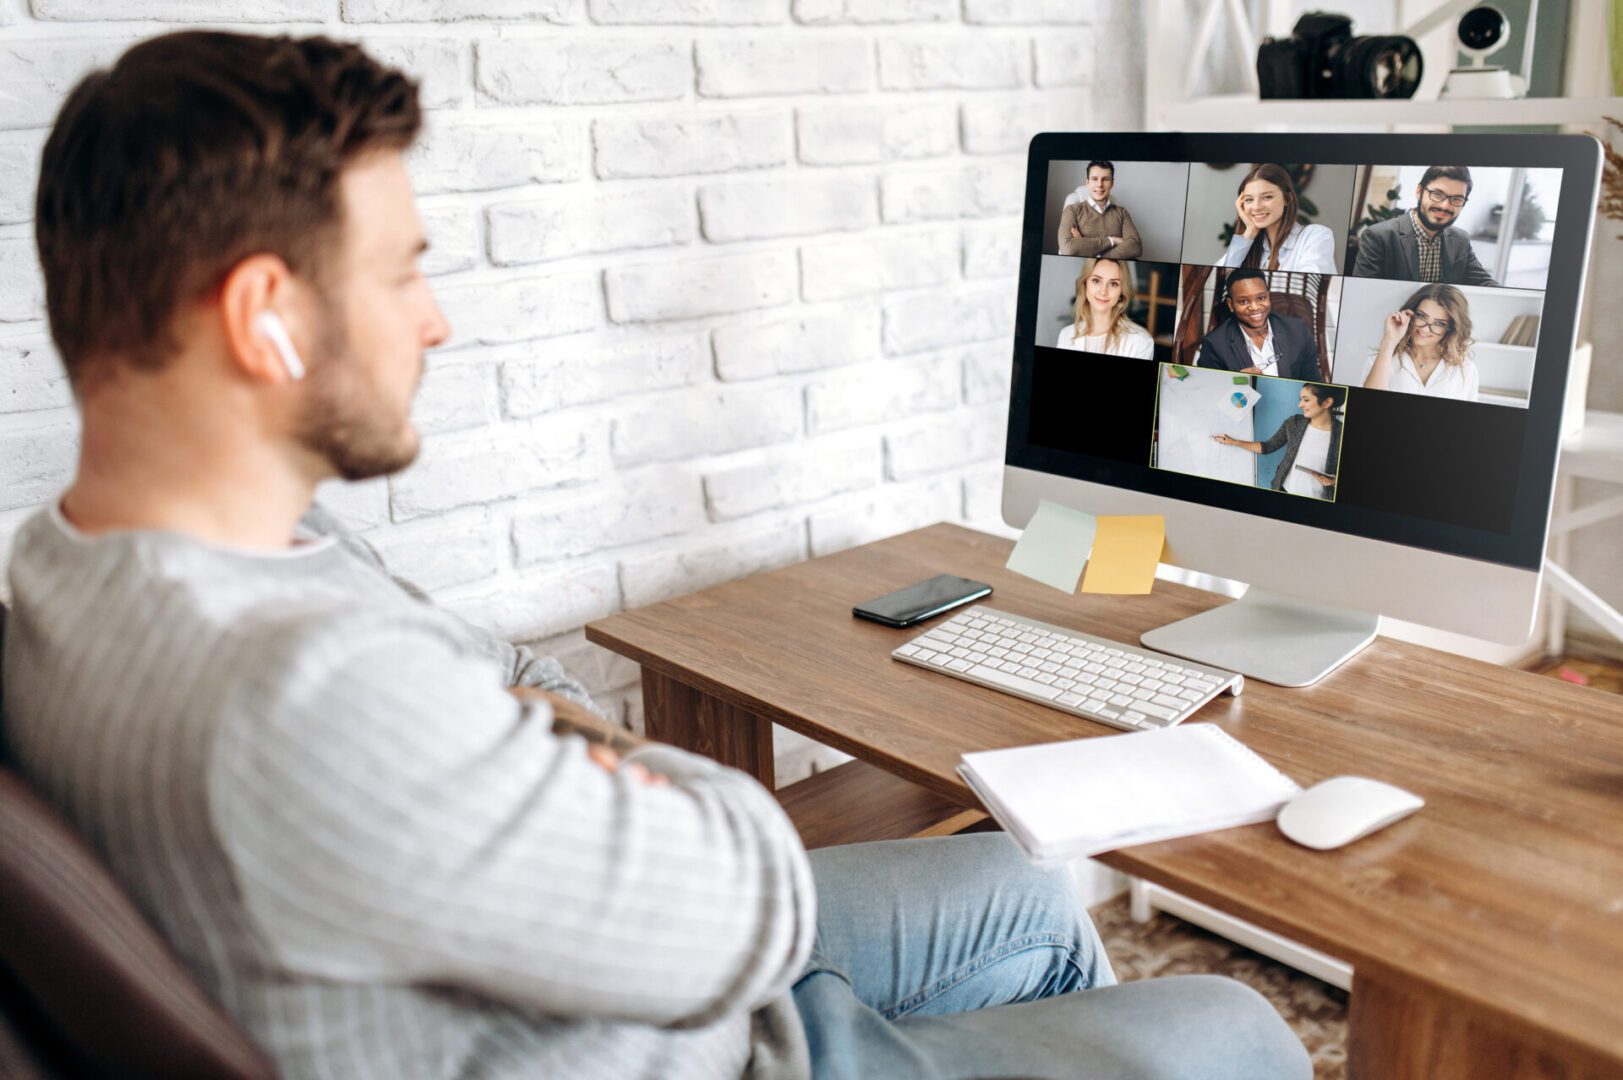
[1242, 380]
[1179, 371]
[1055, 546]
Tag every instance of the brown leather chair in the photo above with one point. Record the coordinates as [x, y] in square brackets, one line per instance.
[87, 988]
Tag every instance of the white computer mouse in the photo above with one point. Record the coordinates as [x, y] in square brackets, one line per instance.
[1343, 808]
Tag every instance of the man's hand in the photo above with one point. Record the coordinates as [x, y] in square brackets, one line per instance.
[611, 762]
[1076, 233]
[605, 742]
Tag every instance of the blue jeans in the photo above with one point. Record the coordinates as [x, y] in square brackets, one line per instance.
[956, 957]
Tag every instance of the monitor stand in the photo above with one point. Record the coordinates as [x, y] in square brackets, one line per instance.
[1266, 636]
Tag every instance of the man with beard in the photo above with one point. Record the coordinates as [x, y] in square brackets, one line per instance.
[1424, 244]
[1252, 339]
[353, 816]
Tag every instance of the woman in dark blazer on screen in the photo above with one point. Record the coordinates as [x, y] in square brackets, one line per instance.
[1312, 443]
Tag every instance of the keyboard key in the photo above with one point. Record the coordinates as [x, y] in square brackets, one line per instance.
[1120, 699]
[1135, 718]
[1132, 680]
[1028, 673]
[1065, 684]
[1169, 701]
[1141, 694]
[1190, 695]
[959, 665]
[1014, 682]
[1022, 648]
[1049, 666]
[941, 659]
[1135, 667]
[1046, 679]
[908, 650]
[1070, 699]
[1152, 684]
[1158, 712]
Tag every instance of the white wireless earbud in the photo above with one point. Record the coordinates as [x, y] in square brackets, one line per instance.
[270, 324]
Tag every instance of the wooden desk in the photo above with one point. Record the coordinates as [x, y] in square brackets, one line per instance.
[1486, 932]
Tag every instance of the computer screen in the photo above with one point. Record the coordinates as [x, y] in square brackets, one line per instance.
[1362, 333]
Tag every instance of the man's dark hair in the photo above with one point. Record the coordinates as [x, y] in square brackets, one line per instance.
[1244, 273]
[1448, 172]
[1334, 396]
[193, 152]
[1100, 165]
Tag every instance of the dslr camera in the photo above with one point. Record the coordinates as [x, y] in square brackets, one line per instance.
[1322, 58]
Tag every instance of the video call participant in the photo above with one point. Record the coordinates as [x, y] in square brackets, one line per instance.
[1254, 341]
[1267, 234]
[1101, 324]
[1426, 347]
[1425, 244]
[1093, 225]
[1312, 443]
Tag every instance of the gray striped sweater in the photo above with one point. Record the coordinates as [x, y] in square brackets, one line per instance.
[320, 791]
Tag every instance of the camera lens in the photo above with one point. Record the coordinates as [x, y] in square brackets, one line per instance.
[1383, 66]
[1482, 27]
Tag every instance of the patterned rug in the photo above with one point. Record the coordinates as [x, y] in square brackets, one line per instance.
[1166, 945]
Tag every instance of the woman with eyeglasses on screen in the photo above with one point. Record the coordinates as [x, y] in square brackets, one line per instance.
[1101, 324]
[1267, 234]
[1426, 347]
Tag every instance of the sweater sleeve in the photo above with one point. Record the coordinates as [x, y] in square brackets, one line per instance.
[1131, 247]
[524, 667]
[393, 814]
[1084, 245]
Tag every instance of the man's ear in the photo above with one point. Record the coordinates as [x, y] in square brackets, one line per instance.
[258, 284]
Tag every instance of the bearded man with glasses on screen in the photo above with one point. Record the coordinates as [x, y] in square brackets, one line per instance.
[1425, 244]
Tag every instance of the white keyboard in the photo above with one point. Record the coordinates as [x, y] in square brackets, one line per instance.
[1116, 684]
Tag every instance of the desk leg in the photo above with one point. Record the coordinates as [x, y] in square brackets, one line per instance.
[690, 719]
[1395, 1032]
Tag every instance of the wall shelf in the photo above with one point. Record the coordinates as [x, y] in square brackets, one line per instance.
[1242, 113]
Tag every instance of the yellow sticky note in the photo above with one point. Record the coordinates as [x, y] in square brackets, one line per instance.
[1126, 551]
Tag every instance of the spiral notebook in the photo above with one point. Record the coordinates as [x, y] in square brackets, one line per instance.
[1069, 799]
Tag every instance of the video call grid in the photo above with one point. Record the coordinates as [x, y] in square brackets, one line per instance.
[1344, 369]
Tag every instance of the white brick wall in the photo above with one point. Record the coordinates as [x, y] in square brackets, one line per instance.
[731, 282]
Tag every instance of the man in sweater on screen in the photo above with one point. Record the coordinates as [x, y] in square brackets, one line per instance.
[352, 815]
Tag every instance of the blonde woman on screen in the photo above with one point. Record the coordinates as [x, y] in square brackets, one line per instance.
[1426, 347]
[1101, 324]
[1266, 232]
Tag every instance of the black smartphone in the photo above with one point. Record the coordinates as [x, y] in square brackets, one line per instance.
[904, 607]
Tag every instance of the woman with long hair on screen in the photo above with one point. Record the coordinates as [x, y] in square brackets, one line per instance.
[1266, 232]
[1426, 347]
[1312, 442]
[1101, 324]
